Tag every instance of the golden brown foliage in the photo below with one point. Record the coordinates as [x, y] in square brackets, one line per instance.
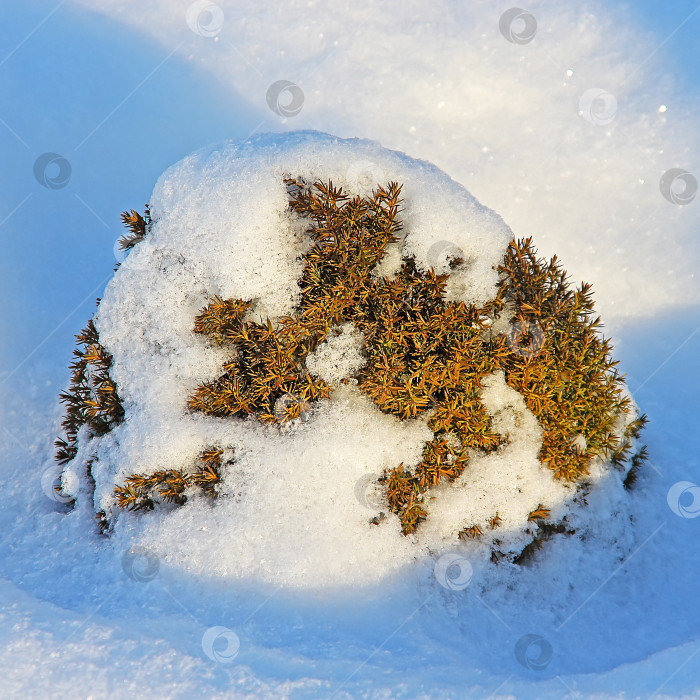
[137, 226]
[91, 398]
[424, 354]
[169, 485]
[470, 533]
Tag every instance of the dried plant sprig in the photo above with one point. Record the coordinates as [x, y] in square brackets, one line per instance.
[137, 225]
[571, 384]
[91, 398]
[636, 463]
[540, 513]
[472, 532]
[143, 492]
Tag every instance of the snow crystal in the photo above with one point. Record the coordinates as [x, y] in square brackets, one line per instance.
[338, 356]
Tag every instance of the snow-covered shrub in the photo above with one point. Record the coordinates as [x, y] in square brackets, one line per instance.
[329, 335]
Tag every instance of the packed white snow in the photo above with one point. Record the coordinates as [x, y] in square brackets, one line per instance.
[292, 507]
[338, 356]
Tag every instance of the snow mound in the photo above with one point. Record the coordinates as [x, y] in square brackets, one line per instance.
[295, 503]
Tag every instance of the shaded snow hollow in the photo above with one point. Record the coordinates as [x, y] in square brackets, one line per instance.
[295, 502]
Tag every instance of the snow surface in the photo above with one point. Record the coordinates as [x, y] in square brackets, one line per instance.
[577, 126]
[118, 93]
